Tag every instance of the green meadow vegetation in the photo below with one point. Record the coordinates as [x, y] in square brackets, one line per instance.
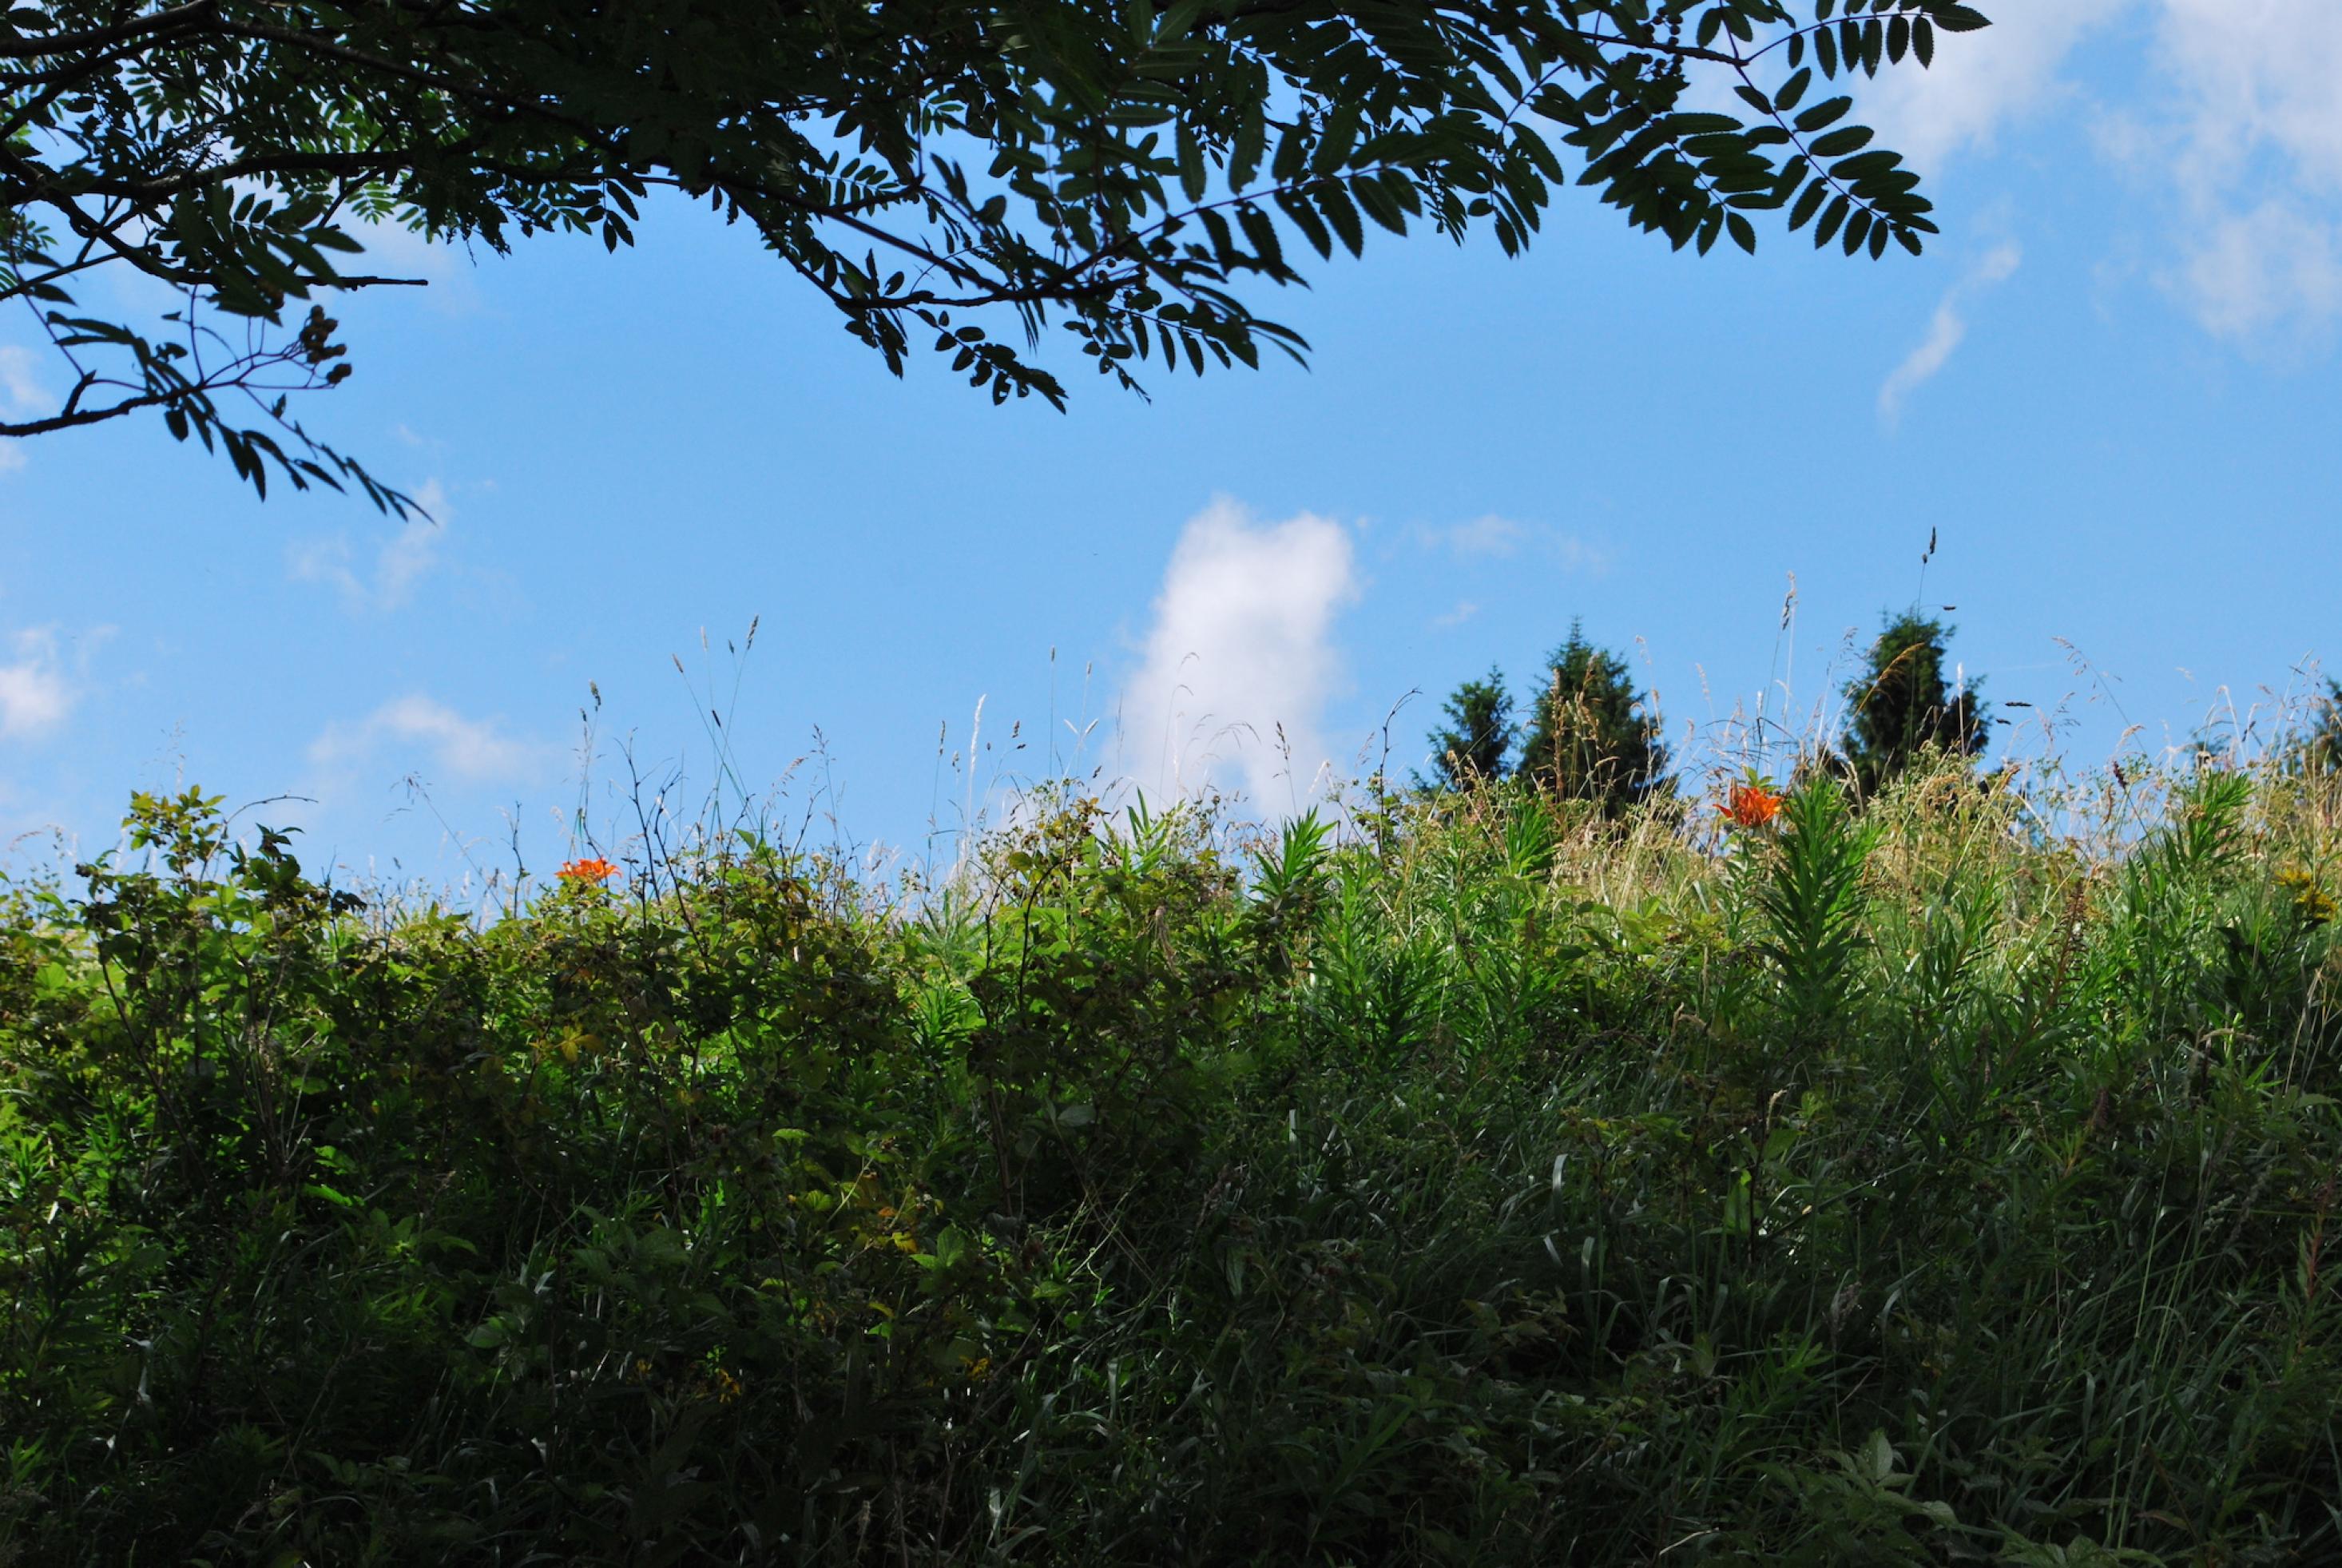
[1944, 1174]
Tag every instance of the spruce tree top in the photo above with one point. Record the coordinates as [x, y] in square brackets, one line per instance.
[1590, 738]
[1902, 703]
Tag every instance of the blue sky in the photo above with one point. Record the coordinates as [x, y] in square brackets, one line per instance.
[2111, 389]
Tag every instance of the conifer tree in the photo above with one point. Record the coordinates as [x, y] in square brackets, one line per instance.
[1902, 703]
[2318, 748]
[1474, 747]
[1591, 738]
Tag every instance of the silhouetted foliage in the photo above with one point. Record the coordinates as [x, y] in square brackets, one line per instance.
[1591, 739]
[1478, 740]
[959, 178]
[1901, 703]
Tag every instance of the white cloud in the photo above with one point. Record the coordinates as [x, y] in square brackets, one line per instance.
[20, 393]
[34, 696]
[2245, 273]
[1982, 82]
[1241, 647]
[2235, 130]
[1492, 535]
[2258, 72]
[466, 749]
[1464, 611]
[445, 269]
[2250, 145]
[400, 561]
[1496, 538]
[1945, 332]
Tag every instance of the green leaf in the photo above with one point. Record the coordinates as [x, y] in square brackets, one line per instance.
[1369, 191]
[1193, 177]
[1335, 203]
[1305, 218]
[1809, 204]
[1865, 165]
[1691, 124]
[1292, 153]
[1827, 113]
[1833, 217]
[1340, 136]
[1246, 149]
[1262, 232]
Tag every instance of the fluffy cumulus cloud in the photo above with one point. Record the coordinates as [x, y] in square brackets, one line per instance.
[1983, 83]
[1946, 331]
[1240, 660]
[414, 731]
[2245, 273]
[2251, 143]
[400, 561]
[2233, 129]
[34, 696]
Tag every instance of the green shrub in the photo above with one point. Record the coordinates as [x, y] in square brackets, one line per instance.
[1504, 1187]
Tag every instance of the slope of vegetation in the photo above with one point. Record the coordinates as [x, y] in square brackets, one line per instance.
[1484, 1182]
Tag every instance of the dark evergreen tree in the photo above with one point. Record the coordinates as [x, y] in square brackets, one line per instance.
[1591, 738]
[1901, 703]
[1474, 747]
[2318, 748]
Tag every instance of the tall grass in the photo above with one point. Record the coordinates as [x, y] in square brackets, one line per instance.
[1483, 1181]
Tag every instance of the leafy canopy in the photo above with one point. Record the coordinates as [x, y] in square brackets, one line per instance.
[960, 176]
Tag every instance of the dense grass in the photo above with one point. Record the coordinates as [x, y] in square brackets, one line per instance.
[1481, 1184]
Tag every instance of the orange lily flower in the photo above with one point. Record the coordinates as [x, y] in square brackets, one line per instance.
[1751, 806]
